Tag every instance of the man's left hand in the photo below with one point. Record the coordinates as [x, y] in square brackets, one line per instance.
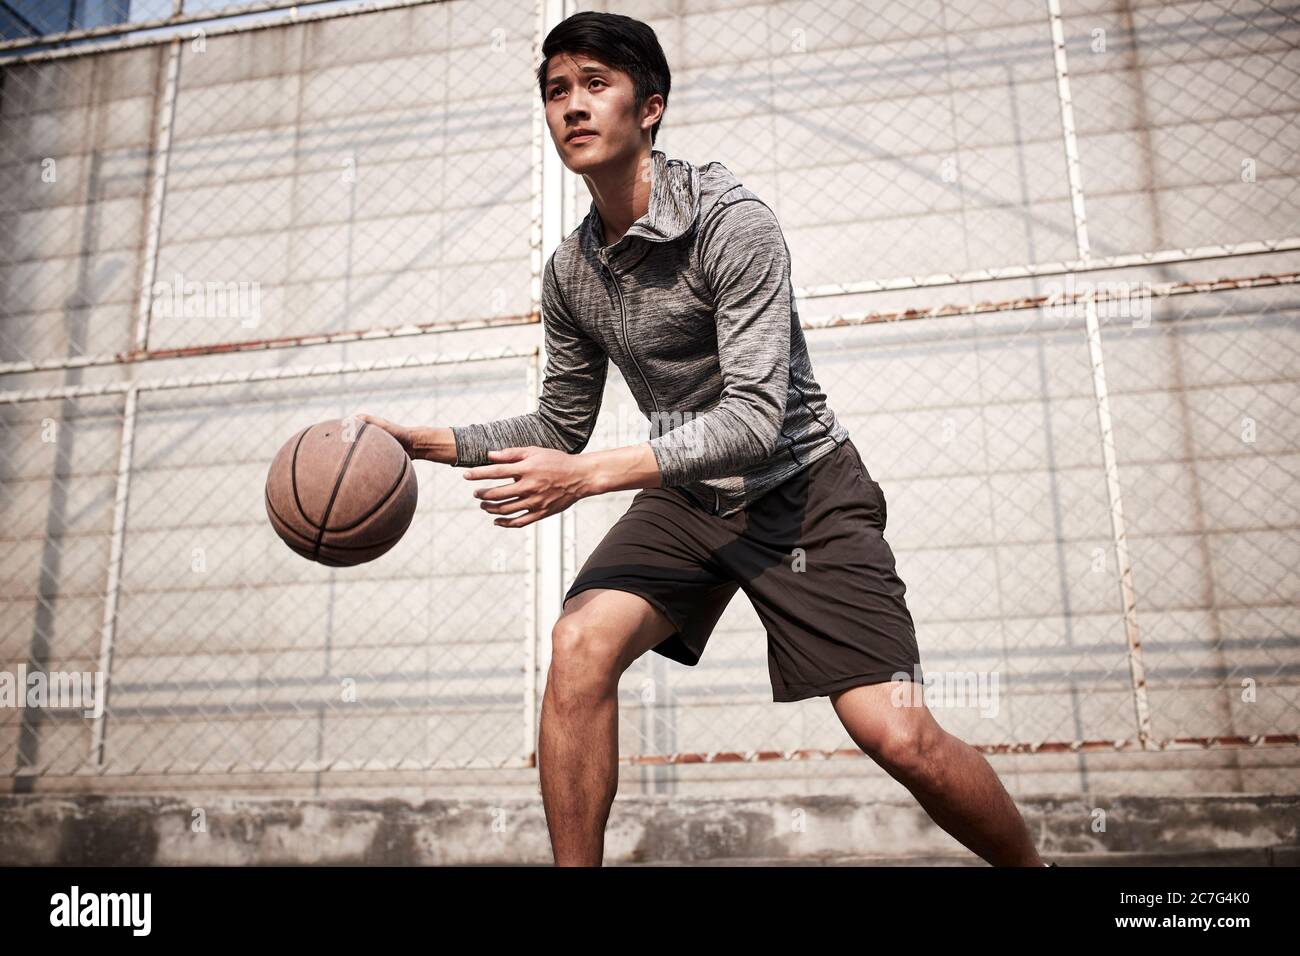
[546, 481]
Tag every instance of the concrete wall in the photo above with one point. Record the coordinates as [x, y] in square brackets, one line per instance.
[377, 170]
[125, 830]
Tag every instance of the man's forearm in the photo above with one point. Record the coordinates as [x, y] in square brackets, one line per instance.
[434, 443]
[622, 469]
[617, 469]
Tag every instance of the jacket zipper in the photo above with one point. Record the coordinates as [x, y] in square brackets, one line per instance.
[627, 345]
[622, 314]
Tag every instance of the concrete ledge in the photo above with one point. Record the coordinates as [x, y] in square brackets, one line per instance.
[1229, 829]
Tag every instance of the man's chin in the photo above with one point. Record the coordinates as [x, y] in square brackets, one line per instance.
[580, 164]
[585, 157]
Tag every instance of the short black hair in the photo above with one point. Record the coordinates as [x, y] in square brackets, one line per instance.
[617, 41]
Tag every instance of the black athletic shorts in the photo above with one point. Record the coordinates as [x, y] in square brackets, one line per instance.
[810, 555]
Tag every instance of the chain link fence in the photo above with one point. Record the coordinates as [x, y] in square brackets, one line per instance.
[1045, 255]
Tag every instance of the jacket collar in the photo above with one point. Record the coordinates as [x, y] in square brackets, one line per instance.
[673, 208]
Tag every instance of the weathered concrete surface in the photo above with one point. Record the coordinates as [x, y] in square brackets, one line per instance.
[223, 830]
[1259, 856]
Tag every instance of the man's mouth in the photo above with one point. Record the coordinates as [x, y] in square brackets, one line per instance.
[581, 137]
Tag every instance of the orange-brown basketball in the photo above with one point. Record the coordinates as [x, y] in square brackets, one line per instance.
[341, 492]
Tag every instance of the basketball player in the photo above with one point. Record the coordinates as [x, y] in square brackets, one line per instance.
[681, 275]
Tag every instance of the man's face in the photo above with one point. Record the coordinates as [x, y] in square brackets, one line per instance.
[584, 94]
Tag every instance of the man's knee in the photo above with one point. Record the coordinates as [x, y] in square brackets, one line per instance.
[584, 659]
[901, 745]
[907, 746]
[902, 739]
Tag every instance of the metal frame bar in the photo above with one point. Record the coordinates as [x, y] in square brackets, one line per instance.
[112, 588]
[1039, 270]
[1119, 532]
[126, 42]
[1160, 290]
[1165, 257]
[264, 345]
[1239, 742]
[533, 612]
[159, 161]
[264, 374]
[439, 358]
[177, 18]
[550, 228]
[1256, 742]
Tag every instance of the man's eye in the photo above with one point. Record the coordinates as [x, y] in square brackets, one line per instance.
[560, 89]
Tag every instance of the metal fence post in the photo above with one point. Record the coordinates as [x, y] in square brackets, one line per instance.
[1119, 534]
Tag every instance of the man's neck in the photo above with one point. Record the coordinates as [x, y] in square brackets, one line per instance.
[622, 196]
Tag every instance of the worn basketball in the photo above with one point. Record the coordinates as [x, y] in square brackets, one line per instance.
[341, 492]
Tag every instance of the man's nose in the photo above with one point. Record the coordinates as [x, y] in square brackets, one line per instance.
[576, 108]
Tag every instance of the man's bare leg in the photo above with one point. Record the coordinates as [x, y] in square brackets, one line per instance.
[601, 632]
[949, 778]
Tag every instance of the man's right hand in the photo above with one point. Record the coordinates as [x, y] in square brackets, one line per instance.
[435, 443]
[405, 436]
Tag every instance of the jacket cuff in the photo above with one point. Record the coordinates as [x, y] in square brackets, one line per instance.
[676, 462]
[471, 446]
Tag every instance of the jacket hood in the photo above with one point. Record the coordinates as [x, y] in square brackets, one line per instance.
[673, 208]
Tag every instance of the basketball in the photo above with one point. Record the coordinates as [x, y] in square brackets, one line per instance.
[341, 492]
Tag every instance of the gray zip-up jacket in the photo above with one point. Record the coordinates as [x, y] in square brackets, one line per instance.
[695, 306]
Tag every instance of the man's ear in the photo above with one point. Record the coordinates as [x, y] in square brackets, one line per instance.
[653, 110]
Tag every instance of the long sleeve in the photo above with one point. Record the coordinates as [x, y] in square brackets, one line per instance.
[746, 262]
[574, 384]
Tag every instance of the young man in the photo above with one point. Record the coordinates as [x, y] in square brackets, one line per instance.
[681, 275]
